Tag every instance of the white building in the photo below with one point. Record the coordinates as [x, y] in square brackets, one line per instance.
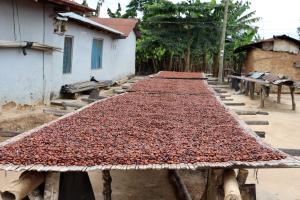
[66, 48]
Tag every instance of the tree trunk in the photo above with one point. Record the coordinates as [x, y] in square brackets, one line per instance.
[171, 62]
[215, 65]
[188, 59]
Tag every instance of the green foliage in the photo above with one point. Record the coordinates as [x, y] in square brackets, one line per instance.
[185, 36]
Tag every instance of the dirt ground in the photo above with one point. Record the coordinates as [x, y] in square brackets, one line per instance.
[271, 184]
[283, 132]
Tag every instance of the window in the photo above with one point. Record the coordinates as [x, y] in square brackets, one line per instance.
[97, 54]
[68, 49]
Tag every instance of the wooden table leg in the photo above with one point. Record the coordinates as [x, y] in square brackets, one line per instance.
[51, 191]
[252, 89]
[262, 96]
[279, 93]
[292, 89]
[247, 87]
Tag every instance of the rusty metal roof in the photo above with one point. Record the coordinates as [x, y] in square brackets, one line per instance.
[259, 44]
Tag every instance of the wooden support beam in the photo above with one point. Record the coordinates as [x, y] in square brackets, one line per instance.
[51, 191]
[250, 112]
[106, 185]
[234, 104]
[292, 152]
[292, 89]
[279, 89]
[250, 122]
[19, 189]
[261, 134]
[242, 176]
[179, 185]
[231, 187]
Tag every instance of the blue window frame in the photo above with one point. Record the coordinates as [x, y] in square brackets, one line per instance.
[97, 48]
[68, 51]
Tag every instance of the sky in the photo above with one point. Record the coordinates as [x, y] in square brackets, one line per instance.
[277, 16]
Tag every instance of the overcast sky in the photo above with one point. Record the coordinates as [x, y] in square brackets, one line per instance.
[278, 16]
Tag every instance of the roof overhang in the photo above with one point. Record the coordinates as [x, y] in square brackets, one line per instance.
[90, 24]
[68, 5]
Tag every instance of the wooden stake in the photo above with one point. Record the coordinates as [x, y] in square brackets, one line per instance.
[292, 89]
[106, 185]
[52, 186]
[242, 176]
[279, 93]
[231, 187]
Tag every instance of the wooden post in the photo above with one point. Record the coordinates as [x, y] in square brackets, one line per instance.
[106, 185]
[214, 180]
[231, 187]
[52, 186]
[247, 87]
[292, 89]
[252, 89]
[19, 189]
[242, 176]
[262, 96]
[279, 93]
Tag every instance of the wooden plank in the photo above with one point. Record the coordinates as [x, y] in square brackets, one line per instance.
[262, 97]
[51, 191]
[55, 112]
[234, 104]
[223, 99]
[250, 122]
[74, 105]
[250, 112]
[9, 133]
[292, 152]
[261, 134]
[180, 187]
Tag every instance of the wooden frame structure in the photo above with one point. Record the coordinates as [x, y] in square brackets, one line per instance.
[248, 85]
[220, 173]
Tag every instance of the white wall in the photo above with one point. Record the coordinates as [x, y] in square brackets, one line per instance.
[118, 57]
[35, 77]
[23, 79]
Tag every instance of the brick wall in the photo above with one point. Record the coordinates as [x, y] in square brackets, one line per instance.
[274, 62]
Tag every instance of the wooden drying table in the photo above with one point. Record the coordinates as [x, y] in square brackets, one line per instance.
[248, 84]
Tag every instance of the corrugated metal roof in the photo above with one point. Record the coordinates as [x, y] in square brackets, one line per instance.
[87, 21]
[259, 44]
[123, 25]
